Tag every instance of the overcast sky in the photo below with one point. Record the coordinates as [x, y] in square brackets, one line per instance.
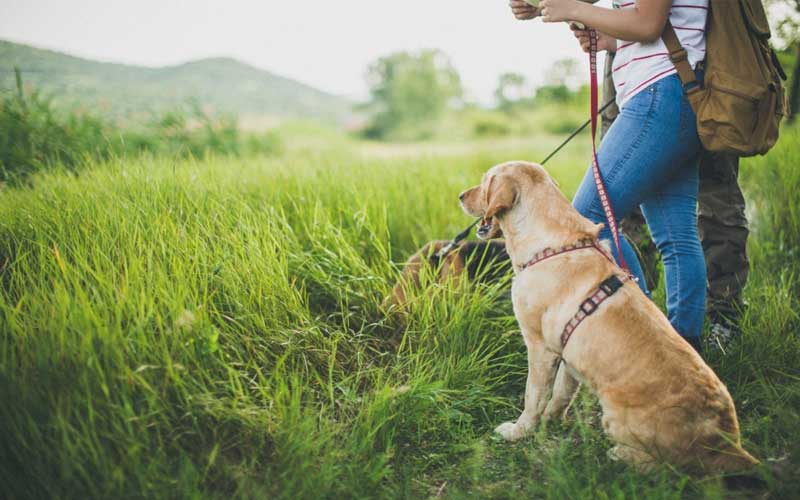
[327, 44]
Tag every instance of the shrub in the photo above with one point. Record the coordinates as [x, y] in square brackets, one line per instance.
[34, 136]
[491, 127]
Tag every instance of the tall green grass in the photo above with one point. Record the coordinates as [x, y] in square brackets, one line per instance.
[213, 329]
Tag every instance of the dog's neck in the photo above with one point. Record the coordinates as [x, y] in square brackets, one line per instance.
[528, 231]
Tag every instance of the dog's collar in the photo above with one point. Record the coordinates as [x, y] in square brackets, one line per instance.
[552, 252]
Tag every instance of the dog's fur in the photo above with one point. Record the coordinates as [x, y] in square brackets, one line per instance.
[660, 401]
[476, 261]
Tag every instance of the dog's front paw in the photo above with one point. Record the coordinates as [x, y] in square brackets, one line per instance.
[510, 431]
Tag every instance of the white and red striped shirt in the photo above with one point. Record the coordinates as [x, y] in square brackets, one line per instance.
[638, 65]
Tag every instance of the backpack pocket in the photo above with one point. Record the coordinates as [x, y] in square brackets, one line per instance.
[729, 111]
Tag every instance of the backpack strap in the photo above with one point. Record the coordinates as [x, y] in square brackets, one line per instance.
[680, 58]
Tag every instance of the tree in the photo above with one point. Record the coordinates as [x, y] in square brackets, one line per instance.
[561, 83]
[564, 72]
[410, 90]
[512, 89]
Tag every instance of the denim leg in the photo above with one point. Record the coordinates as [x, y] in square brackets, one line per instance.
[671, 215]
[649, 155]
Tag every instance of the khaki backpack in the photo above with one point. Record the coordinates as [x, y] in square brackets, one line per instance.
[741, 103]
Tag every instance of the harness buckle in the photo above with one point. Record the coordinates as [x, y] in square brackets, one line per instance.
[611, 285]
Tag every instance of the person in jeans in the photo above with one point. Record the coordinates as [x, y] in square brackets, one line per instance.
[722, 222]
[650, 155]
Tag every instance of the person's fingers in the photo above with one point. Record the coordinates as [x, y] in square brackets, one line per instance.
[524, 15]
[544, 6]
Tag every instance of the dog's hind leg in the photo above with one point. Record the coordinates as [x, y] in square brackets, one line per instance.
[564, 390]
[541, 372]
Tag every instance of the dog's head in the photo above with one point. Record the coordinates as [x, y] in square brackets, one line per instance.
[499, 193]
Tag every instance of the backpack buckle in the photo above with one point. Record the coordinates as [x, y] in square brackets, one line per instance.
[679, 56]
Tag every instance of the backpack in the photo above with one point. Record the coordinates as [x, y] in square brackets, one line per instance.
[741, 103]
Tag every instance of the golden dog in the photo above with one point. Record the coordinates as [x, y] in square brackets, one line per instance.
[660, 401]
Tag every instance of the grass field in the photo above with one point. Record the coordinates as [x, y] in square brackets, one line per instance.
[212, 329]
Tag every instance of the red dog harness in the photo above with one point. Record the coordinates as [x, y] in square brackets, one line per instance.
[604, 291]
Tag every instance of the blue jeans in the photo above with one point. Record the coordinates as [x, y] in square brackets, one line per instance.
[650, 158]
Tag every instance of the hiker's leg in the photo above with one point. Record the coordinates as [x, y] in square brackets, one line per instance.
[671, 214]
[633, 226]
[723, 232]
[653, 138]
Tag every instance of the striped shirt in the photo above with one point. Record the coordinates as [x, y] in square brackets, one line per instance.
[638, 65]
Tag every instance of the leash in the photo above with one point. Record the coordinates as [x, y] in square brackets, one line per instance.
[463, 234]
[598, 177]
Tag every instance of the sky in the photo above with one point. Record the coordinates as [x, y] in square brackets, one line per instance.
[322, 43]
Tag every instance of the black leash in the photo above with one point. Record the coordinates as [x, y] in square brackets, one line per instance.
[463, 234]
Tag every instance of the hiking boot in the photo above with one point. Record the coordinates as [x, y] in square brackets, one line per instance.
[722, 334]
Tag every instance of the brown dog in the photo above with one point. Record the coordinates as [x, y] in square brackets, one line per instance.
[660, 401]
[476, 261]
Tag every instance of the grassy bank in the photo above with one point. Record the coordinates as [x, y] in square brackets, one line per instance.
[212, 329]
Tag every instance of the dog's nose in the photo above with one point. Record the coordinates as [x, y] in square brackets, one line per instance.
[462, 195]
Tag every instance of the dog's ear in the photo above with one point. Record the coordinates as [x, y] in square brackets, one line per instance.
[501, 194]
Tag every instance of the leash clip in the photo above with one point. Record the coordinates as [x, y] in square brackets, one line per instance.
[445, 250]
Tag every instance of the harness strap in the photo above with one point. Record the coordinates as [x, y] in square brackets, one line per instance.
[607, 288]
[552, 252]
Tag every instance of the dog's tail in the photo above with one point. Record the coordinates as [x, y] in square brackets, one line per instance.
[733, 460]
[739, 469]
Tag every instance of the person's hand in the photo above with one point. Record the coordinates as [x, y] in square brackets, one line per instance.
[554, 11]
[523, 10]
[604, 42]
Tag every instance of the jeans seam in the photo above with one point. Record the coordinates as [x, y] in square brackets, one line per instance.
[676, 260]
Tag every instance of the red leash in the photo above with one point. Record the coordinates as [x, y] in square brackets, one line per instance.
[598, 177]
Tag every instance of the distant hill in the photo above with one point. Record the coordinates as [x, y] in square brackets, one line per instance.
[221, 85]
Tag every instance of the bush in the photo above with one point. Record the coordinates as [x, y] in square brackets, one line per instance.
[492, 127]
[34, 136]
[773, 183]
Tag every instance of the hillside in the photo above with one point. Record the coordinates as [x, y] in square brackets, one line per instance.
[221, 85]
